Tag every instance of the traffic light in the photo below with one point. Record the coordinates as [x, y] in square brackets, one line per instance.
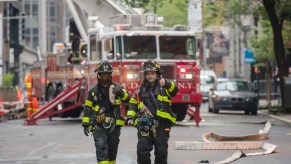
[23, 25]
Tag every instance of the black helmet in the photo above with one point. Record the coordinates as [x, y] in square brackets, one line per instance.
[151, 65]
[104, 67]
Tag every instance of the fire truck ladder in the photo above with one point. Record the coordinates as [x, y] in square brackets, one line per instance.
[48, 109]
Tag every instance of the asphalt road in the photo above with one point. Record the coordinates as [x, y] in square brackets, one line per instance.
[62, 141]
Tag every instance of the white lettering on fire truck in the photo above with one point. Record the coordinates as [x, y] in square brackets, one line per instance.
[132, 85]
[185, 85]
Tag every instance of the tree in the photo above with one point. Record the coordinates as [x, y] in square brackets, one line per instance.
[278, 12]
[173, 11]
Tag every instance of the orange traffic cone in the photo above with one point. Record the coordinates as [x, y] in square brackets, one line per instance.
[2, 111]
[20, 103]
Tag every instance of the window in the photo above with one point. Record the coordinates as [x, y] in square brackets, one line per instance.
[34, 10]
[94, 53]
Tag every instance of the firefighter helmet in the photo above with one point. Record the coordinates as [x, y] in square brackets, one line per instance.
[104, 67]
[151, 65]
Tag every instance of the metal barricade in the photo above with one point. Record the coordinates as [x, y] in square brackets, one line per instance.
[260, 86]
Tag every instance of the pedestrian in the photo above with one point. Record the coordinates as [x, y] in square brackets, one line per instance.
[289, 72]
[150, 111]
[102, 115]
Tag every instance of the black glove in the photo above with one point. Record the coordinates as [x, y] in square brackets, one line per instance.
[86, 130]
[117, 90]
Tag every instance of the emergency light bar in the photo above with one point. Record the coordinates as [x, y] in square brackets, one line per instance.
[122, 27]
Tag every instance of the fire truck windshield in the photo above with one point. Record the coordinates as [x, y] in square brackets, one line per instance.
[177, 47]
[144, 47]
[137, 47]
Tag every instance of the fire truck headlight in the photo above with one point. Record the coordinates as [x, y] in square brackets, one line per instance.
[132, 76]
[186, 76]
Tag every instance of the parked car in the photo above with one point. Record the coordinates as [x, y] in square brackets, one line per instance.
[207, 79]
[233, 94]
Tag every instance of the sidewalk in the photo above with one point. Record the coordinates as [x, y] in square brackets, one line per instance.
[272, 112]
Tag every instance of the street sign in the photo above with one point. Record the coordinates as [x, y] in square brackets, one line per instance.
[249, 56]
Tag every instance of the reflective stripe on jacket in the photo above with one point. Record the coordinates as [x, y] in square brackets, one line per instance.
[164, 98]
[92, 106]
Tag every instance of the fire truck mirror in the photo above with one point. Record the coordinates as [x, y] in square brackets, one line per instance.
[110, 56]
[118, 56]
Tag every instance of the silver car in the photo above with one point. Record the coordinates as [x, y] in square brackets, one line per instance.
[233, 94]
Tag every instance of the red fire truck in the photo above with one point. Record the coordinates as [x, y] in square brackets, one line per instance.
[130, 40]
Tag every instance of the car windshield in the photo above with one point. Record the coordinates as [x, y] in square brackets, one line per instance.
[207, 79]
[234, 86]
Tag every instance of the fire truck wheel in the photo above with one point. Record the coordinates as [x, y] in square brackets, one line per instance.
[50, 95]
[180, 110]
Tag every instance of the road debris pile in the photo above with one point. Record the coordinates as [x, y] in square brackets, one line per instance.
[212, 141]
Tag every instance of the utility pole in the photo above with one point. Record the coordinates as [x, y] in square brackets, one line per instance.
[1, 42]
[43, 27]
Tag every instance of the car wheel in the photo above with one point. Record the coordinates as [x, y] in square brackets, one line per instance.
[215, 110]
[247, 112]
[210, 109]
[254, 111]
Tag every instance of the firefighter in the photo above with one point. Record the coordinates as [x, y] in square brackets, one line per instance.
[150, 111]
[32, 105]
[102, 115]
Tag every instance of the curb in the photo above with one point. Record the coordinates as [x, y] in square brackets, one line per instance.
[276, 117]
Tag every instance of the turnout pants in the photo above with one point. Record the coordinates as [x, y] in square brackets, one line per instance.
[106, 144]
[160, 143]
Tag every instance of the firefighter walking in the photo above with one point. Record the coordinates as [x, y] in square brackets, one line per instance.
[102, 115]
[150, 111]
[32, 105]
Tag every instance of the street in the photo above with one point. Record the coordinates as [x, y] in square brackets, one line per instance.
[62, 140]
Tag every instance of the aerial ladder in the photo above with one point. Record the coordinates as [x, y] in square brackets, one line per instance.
[81, 10]
[48, 110]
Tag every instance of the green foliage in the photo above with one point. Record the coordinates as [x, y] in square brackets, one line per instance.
[234, 9]
[7, 80]
[172, 14]
[173, 11]
[262, 45]
[212, 14]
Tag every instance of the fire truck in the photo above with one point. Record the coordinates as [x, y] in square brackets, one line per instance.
[126, 40]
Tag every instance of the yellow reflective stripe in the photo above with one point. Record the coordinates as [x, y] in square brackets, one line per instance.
[103, 162]
[135, 122]
[164, 98]
[131, 113]
[28, 85]
[96, 108]
[140, 105]
[112, 162]
[172, 87]
[167, 92]
[86, 119]
[120, 122]
[117, 102]
[125, 96]
[133, 101]
[88, 103]
[29, 109]
[166, 115]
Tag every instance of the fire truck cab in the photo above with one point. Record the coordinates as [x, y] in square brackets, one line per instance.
[133, 39]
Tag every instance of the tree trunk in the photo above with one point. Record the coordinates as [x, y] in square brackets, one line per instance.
[279, 48]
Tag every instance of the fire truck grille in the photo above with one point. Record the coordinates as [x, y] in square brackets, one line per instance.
[168, 71]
